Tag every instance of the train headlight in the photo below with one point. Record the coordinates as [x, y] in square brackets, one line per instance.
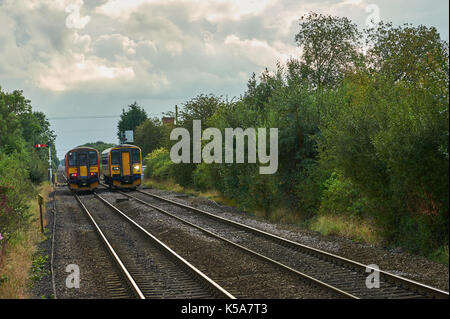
[115, 168]
[136, 167]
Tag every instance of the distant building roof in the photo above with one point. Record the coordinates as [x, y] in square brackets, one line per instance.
[168, 120]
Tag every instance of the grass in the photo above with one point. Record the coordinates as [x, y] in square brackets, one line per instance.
[354, 228]
[282, 215]
[172, 186]
[15, 273]
[440, 255]
[357, 229]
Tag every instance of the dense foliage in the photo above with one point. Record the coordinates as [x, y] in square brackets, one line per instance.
[21, 164]
[130, 119]
[363, 132]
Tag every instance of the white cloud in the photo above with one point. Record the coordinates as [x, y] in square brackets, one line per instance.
[260, 52]
[74, 20]
[69, 72]
[120, 9]
[160, 46]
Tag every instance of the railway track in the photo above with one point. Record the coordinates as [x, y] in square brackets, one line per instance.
[150, 268]
[343, 276]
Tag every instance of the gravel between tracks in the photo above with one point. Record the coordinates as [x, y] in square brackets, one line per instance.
[242, 275]
[160, 276]
[76, 243]
[392, 260]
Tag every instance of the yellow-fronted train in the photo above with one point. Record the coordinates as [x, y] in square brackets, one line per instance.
[82, 168]
[122, 166]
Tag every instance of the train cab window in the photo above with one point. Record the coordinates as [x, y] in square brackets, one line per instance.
[82, 159]
[136, 156]
[93, 158]
[115, 159]
[72, 159]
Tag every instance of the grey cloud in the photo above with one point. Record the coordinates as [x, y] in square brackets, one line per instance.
[159, 55]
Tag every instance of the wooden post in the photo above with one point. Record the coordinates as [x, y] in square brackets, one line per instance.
[41, 202]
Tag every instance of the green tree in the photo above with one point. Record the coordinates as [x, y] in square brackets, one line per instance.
[12, 107]
[148, 135]
[130, 119]
[330, 48]
[389, 136]
[20, 162]
[202, 107]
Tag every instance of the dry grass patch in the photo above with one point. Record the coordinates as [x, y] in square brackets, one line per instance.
[169, 185]
[15, 271]
[354, 228]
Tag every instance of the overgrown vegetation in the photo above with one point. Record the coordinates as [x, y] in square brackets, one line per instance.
[23, 263]
[22, 168]
[21, 164]
[363, 136]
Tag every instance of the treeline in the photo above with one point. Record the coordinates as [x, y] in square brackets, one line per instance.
[363, 132]
[21, 165]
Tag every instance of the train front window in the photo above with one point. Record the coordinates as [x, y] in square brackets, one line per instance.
[93, 158]
[82, 159]
[72, 159]
[115, 159]
[136, 156]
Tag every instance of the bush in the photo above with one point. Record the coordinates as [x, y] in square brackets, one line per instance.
[342, 197]
[15, 189]
[159, 165]
[38, 169]
[206, 177]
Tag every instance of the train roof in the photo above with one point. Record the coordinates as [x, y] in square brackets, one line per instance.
[79, 148]
[120, 146]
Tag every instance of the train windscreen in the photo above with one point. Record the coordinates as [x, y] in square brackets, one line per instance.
[93, 158]
[72, 159]
[82, 159]
[115, 159]
[136, 156]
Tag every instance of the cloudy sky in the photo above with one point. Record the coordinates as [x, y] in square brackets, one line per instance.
[75, 58]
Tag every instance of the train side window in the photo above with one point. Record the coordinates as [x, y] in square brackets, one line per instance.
[136, 156]
[72, 159]
[93, 158]
[115, 159]
[82, 159]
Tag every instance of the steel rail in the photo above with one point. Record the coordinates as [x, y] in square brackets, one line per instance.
[130, 280]
[401, 281]
[208, 282]
[52, 261]
[249, 251]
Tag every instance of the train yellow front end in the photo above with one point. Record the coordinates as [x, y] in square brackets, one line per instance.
[82, 169]
[122, 166]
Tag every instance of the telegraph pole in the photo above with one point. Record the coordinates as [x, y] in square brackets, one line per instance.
[50, 163]
[50, 173]
[176, 114]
